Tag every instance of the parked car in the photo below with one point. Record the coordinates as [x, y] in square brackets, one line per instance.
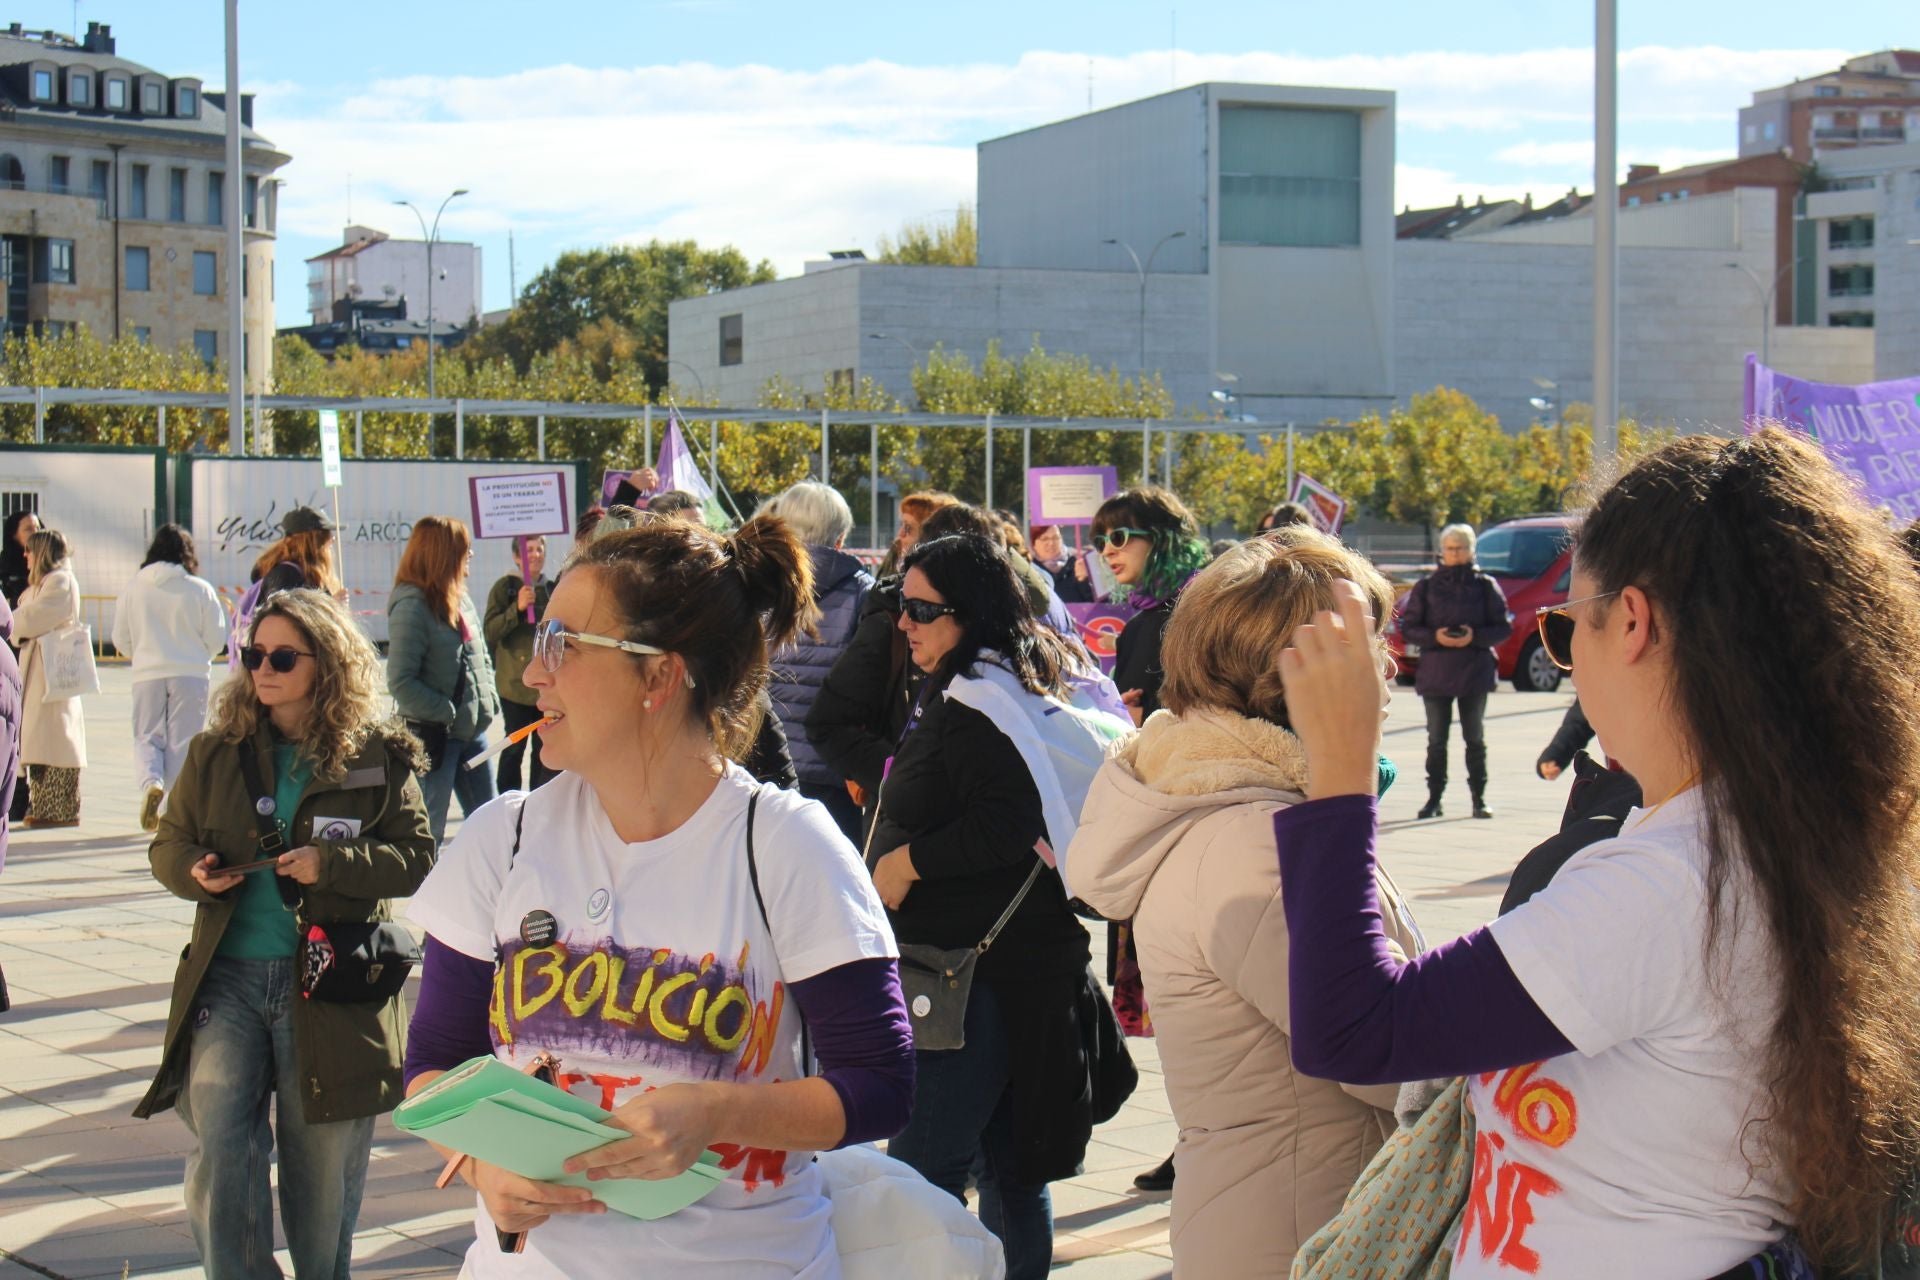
[1532, 560]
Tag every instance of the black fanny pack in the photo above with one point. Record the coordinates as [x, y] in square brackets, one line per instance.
[349, 962]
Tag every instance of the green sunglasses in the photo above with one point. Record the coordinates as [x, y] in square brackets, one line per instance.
[1118, 538]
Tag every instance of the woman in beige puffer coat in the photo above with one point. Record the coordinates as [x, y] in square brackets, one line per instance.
[1177, 833]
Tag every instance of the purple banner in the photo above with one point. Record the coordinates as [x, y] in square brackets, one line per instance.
[1100, 626]
[1871, 430]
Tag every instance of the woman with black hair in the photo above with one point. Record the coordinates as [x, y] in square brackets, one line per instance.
[14, 570]
[953, 851]
[1153, 547]
[172, 624]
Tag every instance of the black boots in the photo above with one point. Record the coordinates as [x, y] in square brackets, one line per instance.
[1159, 1178]
[1480, 809]
[1431, 809]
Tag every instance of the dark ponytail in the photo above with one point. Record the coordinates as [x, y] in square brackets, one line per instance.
[721, 603]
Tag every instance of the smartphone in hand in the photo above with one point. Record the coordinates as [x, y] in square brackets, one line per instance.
[246, 868]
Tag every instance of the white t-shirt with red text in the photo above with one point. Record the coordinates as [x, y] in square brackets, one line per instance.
[1643, 1153]
[659, 973]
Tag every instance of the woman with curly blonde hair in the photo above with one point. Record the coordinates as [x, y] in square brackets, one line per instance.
[301, 739]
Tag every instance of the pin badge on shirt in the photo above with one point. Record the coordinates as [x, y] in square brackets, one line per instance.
[538, 928]
[264, 806]
[597, 904]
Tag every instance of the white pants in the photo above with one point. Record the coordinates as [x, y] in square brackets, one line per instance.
[166, 714]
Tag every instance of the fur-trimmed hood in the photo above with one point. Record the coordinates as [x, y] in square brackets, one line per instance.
[1162, 781]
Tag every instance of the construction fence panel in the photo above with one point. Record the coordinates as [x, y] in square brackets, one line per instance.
[104, 498]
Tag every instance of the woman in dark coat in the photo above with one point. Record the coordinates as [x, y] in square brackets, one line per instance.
[1153, 547]
[1458, 616]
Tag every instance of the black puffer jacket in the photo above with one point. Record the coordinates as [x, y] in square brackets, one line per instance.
[861, 708]
[1456, 595]
[840, 588]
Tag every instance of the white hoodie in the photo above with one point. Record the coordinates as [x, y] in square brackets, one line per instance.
[171, 622]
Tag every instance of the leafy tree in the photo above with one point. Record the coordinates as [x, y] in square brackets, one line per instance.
[934, 243]
[606, 298]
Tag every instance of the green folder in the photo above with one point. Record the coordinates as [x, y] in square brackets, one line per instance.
[486, 1109]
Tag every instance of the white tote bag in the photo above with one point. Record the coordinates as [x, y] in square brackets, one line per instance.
[68, 657]
[892, 1224]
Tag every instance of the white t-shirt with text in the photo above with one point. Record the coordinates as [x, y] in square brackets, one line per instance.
[1643, 1153]
[660, 973]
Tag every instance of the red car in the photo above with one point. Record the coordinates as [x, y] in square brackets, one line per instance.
[1532, 560]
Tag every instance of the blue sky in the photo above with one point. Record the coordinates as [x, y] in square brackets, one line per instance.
[790, 129]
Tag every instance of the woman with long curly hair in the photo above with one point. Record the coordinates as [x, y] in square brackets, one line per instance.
[1698, 1048]
[338, 776]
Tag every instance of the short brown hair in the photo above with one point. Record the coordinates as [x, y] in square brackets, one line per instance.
[921, 505]
[1222, 647]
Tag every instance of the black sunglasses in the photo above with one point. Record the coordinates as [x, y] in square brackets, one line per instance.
[1557, 627]
[281, 660]
[924, 612]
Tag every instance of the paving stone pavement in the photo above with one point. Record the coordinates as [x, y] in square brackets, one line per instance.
[89, 942]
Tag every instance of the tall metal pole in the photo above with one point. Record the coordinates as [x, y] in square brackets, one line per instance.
[431, 236]
[989, 502]
[1141, 269]
[1606, 211]
[236, 249]
[873, 484]
[826, 475]
[646, 431]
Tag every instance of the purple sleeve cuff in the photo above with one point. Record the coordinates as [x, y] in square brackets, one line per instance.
[450, 1016]
[858, 1020]
[1361, 1016]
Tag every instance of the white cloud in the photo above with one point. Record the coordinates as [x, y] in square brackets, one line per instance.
[787, 164]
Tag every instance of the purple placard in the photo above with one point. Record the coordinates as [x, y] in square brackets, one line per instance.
[530, 503]
[1068, 495]
[1872, 430]
[1100, 624]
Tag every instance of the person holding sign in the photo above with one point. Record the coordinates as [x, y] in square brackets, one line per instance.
[437, 665]
[688, 919]
[512, 606]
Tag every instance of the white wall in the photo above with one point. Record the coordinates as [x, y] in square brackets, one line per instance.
[402, 265]
[102, 500]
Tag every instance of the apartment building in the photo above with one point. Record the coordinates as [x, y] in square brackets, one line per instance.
[1868, 101]
[113, 200]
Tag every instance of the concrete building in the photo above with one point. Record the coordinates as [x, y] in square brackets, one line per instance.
[1490, 301]
[112, 200]
[371, 266]
[1871, 100]
[1862, 232]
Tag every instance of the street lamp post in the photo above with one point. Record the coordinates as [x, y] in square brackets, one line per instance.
[1141, 270]
[431, 236]
[698, 381]
[1766, 301]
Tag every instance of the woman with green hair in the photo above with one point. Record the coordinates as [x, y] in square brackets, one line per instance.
[1152, 546]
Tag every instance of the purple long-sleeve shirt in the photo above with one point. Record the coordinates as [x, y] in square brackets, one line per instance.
[1359, 1014]
[854, 1013]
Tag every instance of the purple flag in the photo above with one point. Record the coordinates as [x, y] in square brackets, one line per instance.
[1871, 430]
[676, 465]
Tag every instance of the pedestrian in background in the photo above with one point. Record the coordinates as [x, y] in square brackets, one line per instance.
[510, 646]
[914, 510]
[10, 708]
[1285, 515]
[1458, 616]
[437, 666]
[1071, 582]
[822, 519]
[20, 526]
[53, 739]
[305, 556]
[242, 1033]
[171, 623]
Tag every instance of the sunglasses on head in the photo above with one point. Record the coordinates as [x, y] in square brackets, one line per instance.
[1118, 538]
[1557, 627]
[281, 660]
[925, 612]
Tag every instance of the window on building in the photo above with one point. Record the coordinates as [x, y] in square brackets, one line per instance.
[206, 273]
[1850, 320]
[1748, 133]
[186, 103]
[53, 261]
[1850, 233]
[217, 198]
[1826, 91]
[143, 334]
[99, 177]
[176, 195]
[55, 328]
[139, 271]
[1684, 193]
[137, 191]
[1854, 281]
[1769, 131]
[116, 93]
[80, 89]
[153, 99]
[1289, 176]
[207, 343]
[43, 86]
[732, 340]
[1633, 202]
[252, 193]
[13, 174]
[59, 168]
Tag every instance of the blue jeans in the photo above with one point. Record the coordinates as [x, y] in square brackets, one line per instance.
[962, 1109]
[242, 1057]
[439, 786]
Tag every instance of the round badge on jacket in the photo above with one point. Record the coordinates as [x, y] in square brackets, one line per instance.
[538, 928]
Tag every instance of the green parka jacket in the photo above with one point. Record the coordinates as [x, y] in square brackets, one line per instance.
[349, 1054]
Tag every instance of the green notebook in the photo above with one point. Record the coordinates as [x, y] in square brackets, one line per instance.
[486, 1109]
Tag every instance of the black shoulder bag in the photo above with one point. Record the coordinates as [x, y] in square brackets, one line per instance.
[433, 735]
[350, 962]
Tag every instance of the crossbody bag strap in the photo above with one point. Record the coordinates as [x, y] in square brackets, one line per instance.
[1005, 916]
[753, 878]
[272, 844]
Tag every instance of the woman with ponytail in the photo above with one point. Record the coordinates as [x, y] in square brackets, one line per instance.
[1696, 1053]
[689, 919]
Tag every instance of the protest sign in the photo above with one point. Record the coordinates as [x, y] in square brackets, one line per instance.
[330, 448]
[1068, 495]
[523, 503]
[1871, 430]
[1100, 625]
[1326, 508]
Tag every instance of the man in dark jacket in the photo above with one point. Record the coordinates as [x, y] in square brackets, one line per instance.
[840, 587]
[10, 688]
[1458, 616]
